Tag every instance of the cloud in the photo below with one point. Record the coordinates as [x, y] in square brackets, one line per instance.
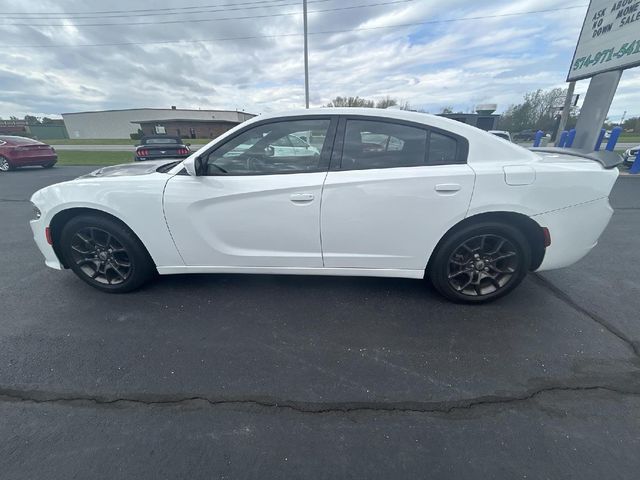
[456, 63]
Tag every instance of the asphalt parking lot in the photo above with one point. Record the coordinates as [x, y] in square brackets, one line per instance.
[223, 376]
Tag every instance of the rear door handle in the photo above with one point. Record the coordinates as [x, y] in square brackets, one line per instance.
[448, 187]
[301, 197]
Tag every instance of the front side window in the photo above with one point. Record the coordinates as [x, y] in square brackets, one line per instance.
[270, 149]
[375, 144]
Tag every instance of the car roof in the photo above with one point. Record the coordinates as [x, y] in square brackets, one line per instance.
[480, 141]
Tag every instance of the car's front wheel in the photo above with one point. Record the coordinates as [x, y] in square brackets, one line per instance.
[480, 262]
[105, 254]
[5, 166]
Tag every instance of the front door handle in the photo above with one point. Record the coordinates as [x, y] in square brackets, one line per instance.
[301, 197]
[448, 187]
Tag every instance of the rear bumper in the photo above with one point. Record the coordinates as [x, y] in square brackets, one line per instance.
[574, 231]
[160, 157]
[33, 160]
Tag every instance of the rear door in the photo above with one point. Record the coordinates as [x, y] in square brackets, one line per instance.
[392, 191]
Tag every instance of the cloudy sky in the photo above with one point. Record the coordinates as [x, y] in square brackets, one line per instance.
[50, 63]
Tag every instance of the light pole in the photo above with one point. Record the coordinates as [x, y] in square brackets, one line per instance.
[306, 55]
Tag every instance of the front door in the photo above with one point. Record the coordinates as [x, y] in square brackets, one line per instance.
[257, 205]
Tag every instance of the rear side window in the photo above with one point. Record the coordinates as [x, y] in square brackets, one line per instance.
[443, 149]
[373, 144]
[379, 144]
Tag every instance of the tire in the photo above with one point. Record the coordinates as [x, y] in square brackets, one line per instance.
[465, 268]
[105, 254]
[5, 166]
[49, 165]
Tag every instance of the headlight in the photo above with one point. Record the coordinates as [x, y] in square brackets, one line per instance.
[36, 212]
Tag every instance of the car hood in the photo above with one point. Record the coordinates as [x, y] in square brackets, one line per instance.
[130, 169]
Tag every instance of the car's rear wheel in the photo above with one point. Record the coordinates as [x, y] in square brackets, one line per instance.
[480, 262]
[48, 165]
[5, 166]
[105, 254]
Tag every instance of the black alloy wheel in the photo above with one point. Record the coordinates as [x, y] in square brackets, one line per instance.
[480, 262]
[101, 256]
[105, 253]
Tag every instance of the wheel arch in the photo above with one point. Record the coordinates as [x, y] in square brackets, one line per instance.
[61, 218]
[530, 229]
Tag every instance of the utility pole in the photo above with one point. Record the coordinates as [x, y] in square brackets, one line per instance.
[306, 55]
[565, 110]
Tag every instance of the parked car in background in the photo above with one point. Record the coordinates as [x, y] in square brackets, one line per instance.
[25, 152]
[629, 156]
[525, 136]
[392, 194]
[289, 145]
[502, 134]
[161, 146]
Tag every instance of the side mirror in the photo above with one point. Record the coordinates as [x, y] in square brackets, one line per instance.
[269, 151]
[196, 166]
[201, 165]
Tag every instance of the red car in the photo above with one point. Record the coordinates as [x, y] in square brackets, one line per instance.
[23, 152]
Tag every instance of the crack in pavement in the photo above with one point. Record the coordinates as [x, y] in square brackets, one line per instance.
[442, 407]
[14, 200]
[561, 295]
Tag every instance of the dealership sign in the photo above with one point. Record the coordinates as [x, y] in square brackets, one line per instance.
[609, 40]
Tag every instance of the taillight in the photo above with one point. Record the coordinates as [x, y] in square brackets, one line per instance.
[143, 152]
[183, 151]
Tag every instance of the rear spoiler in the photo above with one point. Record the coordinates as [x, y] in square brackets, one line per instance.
[606, 158]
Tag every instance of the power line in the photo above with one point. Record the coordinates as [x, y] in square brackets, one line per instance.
[165, 11]
[149, 9]
[201, 20]
[327, 32]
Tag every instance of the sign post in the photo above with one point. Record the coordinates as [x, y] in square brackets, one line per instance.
[609, 42]
[566, 109]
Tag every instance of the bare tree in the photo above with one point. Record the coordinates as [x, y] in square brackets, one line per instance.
[386, 102]
[350, 102]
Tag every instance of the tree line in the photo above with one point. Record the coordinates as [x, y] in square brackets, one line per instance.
[33, 120]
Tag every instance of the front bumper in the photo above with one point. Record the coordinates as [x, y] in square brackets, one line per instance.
[38, 227]
[574, 231]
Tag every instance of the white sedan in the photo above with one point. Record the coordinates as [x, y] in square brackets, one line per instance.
[387, 193]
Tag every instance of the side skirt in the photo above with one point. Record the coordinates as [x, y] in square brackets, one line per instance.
[349, 272]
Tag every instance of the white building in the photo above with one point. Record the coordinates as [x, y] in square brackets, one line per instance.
[118, 123]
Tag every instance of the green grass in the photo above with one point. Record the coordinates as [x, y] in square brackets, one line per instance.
[112, 141]
[91, 141]
[75, 157]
